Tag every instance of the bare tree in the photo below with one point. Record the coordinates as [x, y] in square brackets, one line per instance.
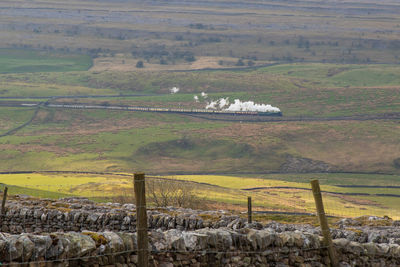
[163, 192]
[167, 192]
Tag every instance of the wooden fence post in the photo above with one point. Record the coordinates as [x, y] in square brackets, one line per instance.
[324, 223]
[3, 204]
[141, 220]
[249, 212]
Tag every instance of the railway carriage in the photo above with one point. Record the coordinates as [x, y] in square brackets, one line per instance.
[172, 110]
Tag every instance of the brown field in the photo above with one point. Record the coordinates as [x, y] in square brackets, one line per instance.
[128, 64]
[352, 31]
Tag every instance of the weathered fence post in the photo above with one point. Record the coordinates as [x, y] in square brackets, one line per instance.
[324, 223]
[3, 204]
[141, 220]
[249, 212]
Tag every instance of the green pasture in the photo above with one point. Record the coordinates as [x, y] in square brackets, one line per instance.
[337, 178]
[339, 75]
[172, 143]
[98, 140]
[307, 89]
[11, 118]
[293, 199]
[221, 191]
[22, 61]
[62, 185]
[235, 182]
[42, 193]
[46, 90]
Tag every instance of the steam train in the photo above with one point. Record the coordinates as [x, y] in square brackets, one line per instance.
[168, 110]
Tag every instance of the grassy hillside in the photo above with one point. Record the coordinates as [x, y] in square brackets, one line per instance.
[297, 89]
[13, 117]
[177, 33]
[215, 191]
[21, 61]
[297, 55]
[168, 143]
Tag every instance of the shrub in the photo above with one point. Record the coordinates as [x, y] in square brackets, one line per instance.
[140, 64]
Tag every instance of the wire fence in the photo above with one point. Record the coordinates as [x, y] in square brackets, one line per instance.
[346, 202]
[167, 191]
[273, 254]
[270, 255]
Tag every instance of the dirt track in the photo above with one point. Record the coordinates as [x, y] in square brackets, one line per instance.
[14, 130]
[329, 192]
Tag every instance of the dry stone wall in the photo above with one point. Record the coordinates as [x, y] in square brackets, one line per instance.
[204, 247]
[79, 214]
[78, 232]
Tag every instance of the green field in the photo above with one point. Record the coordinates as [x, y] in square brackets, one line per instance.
[213, 191]
[283, 54]
[22, 61]
[338, 178]
[297, 89]
[167, 143]
[13, 117]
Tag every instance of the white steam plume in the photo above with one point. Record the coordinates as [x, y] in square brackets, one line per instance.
[218, 104]
[223, 102]
[212, 105]
[251, 106]
[174, 90]
[196, 98]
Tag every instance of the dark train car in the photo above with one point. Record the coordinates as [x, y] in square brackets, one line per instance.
[169, 110]
[278, 114]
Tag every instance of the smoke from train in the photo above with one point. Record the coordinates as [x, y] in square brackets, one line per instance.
[251, 106]
[238, 105]
[174, 90]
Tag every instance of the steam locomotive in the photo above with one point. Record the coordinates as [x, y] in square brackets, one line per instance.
[168, 110]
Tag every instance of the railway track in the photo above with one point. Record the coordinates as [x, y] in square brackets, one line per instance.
[383, 116]
[220, 116]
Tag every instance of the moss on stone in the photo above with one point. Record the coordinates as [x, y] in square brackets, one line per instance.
[98, 238]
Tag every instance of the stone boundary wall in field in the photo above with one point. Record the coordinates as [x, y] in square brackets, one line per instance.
[204, 247]
[79, 214]
[78, 232]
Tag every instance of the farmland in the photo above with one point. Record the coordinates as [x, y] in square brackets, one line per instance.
[257, 51]
[124, 141]
[21, 61]
[216, 33]
[298, 89]
[214, 191]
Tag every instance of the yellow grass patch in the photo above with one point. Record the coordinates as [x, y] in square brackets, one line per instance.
[80, 185]
[122, 62]
[224, 192]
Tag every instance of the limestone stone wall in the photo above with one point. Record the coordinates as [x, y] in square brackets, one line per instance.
[204, 247]
[76, 214]
[78, 232]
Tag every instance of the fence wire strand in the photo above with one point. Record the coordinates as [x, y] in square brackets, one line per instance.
[288, 203]
[270, 250]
